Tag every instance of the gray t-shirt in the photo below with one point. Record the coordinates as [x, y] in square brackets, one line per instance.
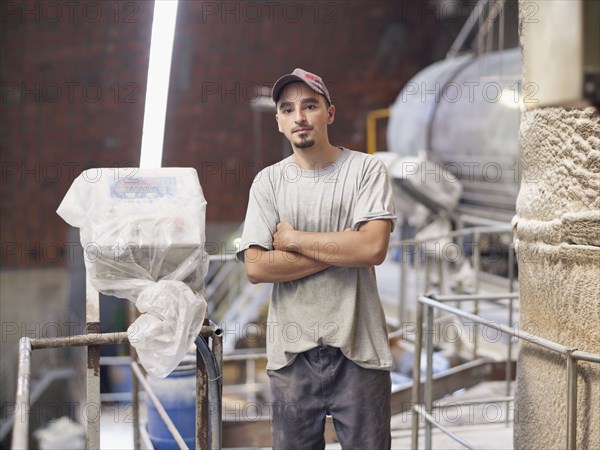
[338, 306]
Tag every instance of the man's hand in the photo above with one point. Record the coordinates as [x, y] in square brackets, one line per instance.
[283, 239]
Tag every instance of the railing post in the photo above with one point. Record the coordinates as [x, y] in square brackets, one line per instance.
[135, 412]
[402, 302]
[250, 379]
[403, 272]
[429, 335]
[416, 387]
[92, 375]
[571, 401]
[508, 367]
[427, 272]
[201, 403]
[477, 268]
[217, 349]
[135, 386]
[20, 436]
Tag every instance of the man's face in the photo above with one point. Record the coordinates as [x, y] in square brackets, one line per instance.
[303, 116]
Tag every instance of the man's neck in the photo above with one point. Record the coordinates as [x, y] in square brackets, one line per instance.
[316, 158]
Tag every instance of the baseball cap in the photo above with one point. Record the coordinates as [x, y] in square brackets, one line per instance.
[313, 81]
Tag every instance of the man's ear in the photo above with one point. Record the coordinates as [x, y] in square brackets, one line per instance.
[331, 114]
[278, 124]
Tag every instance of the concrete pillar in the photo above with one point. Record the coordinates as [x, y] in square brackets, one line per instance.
[557, 235]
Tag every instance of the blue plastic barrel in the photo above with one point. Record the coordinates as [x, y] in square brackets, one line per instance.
[177, 393]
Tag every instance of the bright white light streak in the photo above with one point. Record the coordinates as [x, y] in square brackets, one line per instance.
[157, 89]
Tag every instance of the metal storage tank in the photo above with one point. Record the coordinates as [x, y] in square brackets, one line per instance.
[464, 113]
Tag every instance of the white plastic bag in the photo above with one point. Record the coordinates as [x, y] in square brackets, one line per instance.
[168, 325]
[142, 231]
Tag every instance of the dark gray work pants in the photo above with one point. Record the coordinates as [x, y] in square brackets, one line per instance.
[323, 381]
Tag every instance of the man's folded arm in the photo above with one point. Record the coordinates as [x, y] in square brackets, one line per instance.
[365, 247]
[277, 266]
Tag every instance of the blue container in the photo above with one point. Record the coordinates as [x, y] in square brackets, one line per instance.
[119, 377]
[177, 393]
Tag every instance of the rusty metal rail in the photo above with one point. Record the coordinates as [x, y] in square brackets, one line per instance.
[208, 401]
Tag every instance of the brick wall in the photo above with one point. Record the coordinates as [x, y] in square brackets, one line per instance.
[73, 80]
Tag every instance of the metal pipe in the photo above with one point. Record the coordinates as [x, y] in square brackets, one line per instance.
[477, 268]
[416, 387]
[571, 402]
[427, 272]
[473, 402]
[202, 431]
[403, 279]
[20, 435]
[442, 280]
[508, 367]
[208, 331]
[26, 346]
[135, 413]
[501, 33]
[79, 340]
[465, 31]
[511, 268]
[372, 117]
[92, 373]
[429, 334]
[512, 331]
[488, 24]
[223, 257]
[159, 407]
[480, 35]
[586, 356]
[251, 379]
[431, 420]
[404, 262]
[214, 397]
[35, 392]
[470, 297]
[217, 348]
[244, 356]
[484, 229]
[132, 314]
[572, 355]
[511, 288]
[417, 269]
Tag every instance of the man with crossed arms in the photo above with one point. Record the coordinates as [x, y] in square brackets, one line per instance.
[317, 223]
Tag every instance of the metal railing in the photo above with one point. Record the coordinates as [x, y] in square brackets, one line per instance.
[425, 410]
[208, 387]
[415, 249]
[225, 283]
[250, 386]
[372, 118]
[20, 437]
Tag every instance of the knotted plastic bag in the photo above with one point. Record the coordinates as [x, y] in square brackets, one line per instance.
[142, 231]
[166, 327]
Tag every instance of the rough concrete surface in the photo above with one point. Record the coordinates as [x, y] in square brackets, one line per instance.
[557, 235]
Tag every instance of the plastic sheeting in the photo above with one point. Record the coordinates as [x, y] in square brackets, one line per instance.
[143, 233]
[437, 189]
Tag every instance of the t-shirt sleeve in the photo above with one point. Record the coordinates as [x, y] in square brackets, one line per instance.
[261, 216]
[375, 196]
